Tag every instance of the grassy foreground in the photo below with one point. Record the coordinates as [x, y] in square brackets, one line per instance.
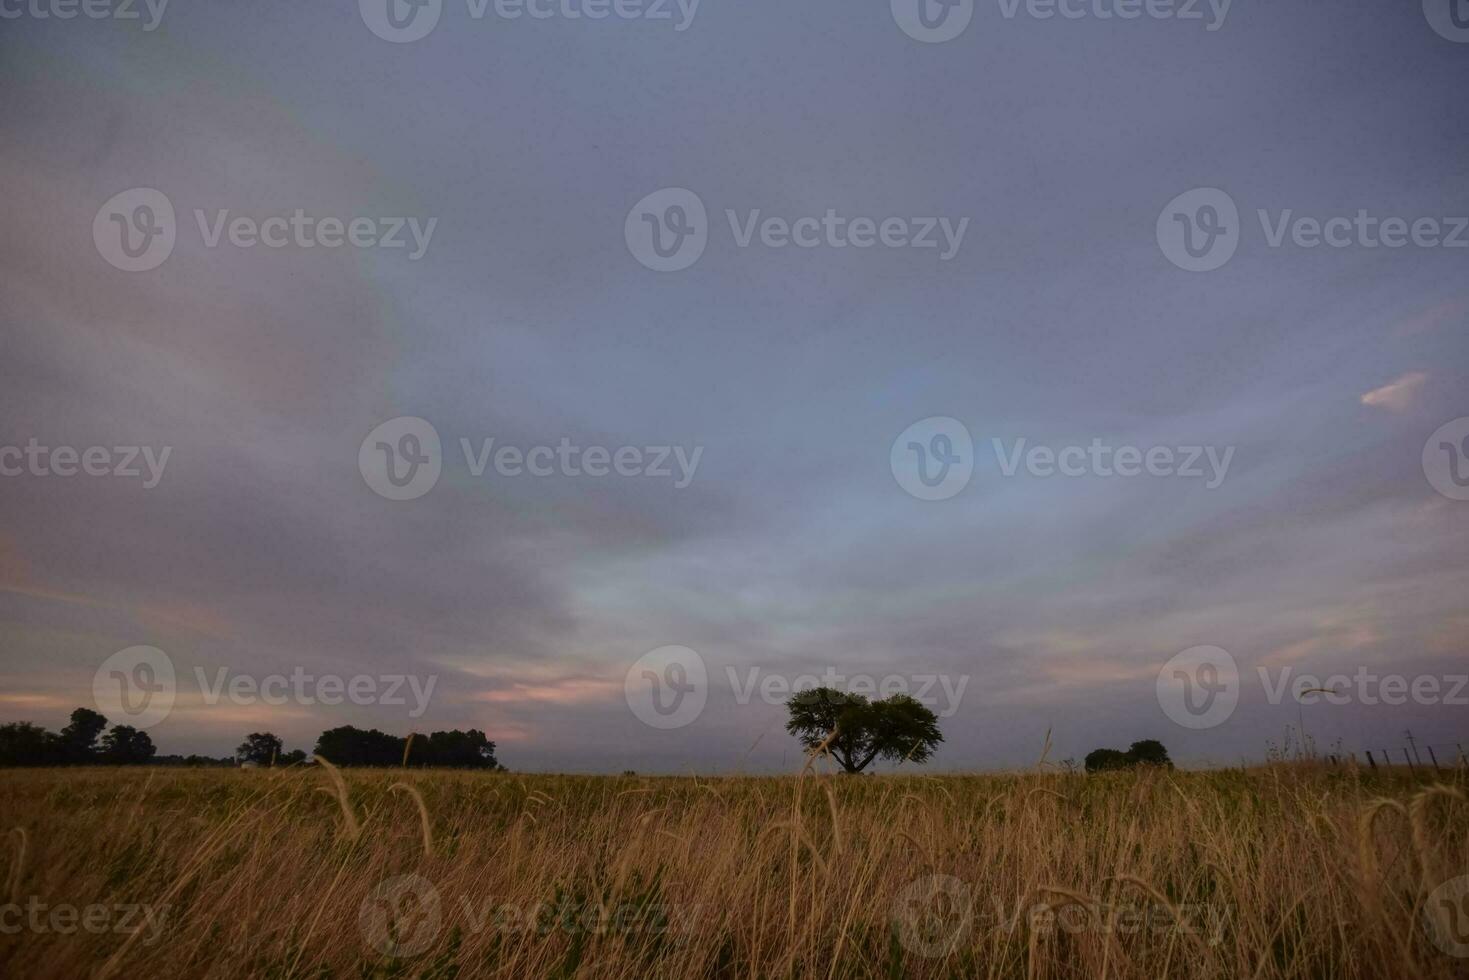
[1281, 872]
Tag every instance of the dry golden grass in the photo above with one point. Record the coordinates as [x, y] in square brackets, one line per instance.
[1278, 872]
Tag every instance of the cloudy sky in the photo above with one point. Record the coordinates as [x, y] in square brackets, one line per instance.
[529, 316]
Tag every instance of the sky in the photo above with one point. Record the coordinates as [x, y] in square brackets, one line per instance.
[783, 372]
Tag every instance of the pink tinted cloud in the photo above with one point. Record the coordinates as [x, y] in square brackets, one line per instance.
[569, 690]
[1397, 395]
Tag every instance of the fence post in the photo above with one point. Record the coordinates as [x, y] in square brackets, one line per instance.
[1371, 761]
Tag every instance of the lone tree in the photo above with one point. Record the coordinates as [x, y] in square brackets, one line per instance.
[260, 748]
[898, 728]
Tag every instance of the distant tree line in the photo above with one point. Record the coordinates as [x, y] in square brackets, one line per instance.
[266, 749]
[1148, 752]
[82, 742]
[348, 746]
[193, 760]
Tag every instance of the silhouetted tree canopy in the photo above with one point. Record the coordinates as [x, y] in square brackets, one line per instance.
[25, 744]
[126, 746]
[1100, 760]
[1148, 752]
[456, 749]
[260, 748]
[348, 746]
[192, 760]
[79, 739]
[899, 728]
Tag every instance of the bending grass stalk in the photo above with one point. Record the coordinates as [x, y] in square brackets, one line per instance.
[351, 827]
[1418, 821]
[1367, 848]
[423, 822]
[1069, 897]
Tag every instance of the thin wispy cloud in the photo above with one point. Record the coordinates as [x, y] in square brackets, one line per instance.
[1397, 395]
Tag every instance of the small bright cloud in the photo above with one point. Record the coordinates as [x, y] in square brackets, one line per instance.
[1396, 395]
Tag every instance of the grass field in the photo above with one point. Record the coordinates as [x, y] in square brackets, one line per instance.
[1278, 872]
